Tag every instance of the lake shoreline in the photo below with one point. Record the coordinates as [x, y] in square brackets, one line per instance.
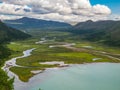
[41, 77]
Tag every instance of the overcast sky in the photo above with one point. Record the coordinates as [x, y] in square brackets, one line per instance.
[61, 10]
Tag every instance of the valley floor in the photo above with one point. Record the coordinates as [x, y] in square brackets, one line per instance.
[57, 49]
[50, 52]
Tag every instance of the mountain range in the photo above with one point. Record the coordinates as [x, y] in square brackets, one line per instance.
[107, 31]
[32, 23]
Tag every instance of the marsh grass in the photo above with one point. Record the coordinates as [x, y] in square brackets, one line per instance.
[45, 54]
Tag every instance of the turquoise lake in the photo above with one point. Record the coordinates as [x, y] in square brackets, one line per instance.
[97, 76]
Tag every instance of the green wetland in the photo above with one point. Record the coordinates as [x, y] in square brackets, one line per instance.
[70, 55]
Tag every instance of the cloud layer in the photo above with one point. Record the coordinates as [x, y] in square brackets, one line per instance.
[62, 10]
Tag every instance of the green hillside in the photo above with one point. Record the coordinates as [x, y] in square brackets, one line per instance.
[7, 33]
[107, 32]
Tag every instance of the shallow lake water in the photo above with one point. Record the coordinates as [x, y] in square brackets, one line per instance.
[96, 76]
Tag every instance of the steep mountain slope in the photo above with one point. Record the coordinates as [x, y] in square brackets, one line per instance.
[107, 32]
[31, 23]
[7, 33]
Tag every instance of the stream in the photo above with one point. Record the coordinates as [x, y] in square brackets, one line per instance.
[11, 63]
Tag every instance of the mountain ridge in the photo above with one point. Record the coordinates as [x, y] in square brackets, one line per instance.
[107, 31]
[32, 23]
